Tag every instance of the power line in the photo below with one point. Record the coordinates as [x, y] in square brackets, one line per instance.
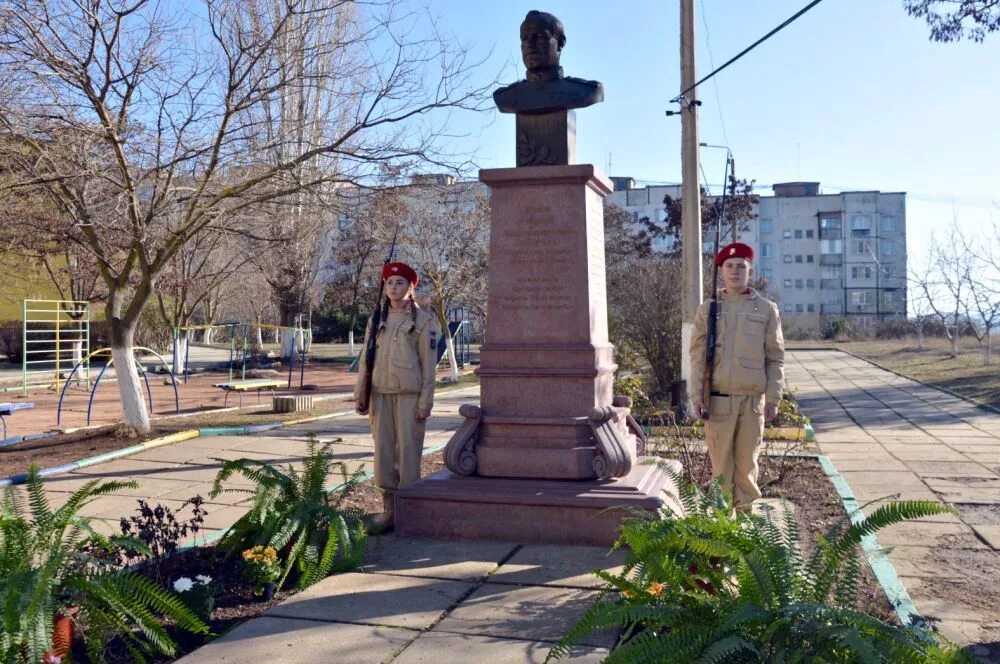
[749, 48]
[711, 62]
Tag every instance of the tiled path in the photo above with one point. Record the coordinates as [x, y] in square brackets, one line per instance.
[419, 601]
[894, 438]
[172, 474]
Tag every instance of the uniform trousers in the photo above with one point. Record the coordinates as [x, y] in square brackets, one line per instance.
[399, 439]
[734, 432]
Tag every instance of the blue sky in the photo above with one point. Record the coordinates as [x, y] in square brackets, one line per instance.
[852, 95]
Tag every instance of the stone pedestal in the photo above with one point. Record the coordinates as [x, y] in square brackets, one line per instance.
[550, 448]
[581, 513]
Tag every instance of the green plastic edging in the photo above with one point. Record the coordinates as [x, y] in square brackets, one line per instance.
[885, 573]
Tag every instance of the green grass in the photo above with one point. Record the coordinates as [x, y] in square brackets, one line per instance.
[965, 374]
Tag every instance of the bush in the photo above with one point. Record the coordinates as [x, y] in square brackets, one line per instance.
[293, 512]
[896, 327]
[11, 340]
[838, 328]
[714, 587]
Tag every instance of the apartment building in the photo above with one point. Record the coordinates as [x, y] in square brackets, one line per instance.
[823, 255]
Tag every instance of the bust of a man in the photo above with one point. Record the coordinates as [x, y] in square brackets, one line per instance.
[545, 89]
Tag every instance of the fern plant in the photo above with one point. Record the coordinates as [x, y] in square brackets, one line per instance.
[293, 511]
[47, 566]
[716, 587]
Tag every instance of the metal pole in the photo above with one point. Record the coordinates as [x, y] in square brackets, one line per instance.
[690, 193]
[24, 348]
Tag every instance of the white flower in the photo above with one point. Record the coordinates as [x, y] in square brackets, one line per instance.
[183, 584]
[203, 579]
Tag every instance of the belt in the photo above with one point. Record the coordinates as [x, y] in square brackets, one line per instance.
[719, 394]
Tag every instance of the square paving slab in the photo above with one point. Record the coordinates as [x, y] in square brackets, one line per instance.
[283, 641]
[459, 561]
[374, 599]
[441, 648]
[572, 567]
[533, 613]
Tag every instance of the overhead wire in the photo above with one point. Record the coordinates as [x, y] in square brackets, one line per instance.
[711, 63]
[749, 48]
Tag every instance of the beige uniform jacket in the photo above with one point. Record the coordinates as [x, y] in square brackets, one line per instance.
[749, 348]
[405, 361]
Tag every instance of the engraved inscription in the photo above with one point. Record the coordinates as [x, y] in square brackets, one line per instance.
[538, 242]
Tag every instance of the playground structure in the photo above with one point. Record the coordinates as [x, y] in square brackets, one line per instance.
[97, 381]
[53, 340]
[241, 348]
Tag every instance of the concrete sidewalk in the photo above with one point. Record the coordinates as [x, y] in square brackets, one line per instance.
[430, 602]
[895, 438]
[172, 474]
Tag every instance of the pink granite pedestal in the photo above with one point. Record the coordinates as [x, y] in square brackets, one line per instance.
[535, 463]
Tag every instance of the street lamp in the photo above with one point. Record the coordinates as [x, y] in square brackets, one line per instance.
[729, 173]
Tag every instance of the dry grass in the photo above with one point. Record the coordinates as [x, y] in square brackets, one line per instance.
[965, 374]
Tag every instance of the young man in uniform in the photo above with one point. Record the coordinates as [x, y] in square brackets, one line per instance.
[747, 377]
[402, 393]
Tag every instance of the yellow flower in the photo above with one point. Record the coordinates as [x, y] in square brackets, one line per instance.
[628, 594]
[655, 589]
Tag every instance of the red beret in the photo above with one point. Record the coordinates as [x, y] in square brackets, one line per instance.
[400, 270]
[734, 250]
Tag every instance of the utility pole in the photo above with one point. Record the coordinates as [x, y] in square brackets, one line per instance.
[691, 254]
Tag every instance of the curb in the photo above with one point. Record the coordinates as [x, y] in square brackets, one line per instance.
[882, 567]
[15, 480]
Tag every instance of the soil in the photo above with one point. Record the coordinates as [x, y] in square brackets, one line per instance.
[818, 508]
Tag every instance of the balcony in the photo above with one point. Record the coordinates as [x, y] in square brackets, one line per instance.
[831, 259]
[831, 284]
[832, 309]
[831, 234]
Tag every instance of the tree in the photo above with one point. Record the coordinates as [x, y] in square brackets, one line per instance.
[953, 20]
[445, 236]
[172, 114]
[740, 205]
[944, 282]
[358, 248]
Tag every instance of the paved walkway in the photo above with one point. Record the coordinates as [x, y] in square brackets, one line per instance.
[419, 601]
[894, 438]
[172, 474]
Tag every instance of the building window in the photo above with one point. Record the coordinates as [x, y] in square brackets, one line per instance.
[798, 258]
[788, 258]
[798, 308]
[860, 298]
[859, 247]
[787, 308]
[888, 248]
[831, 273]
[811, 308]
[798, 233]
[809, 258]
[766, 226]
[786, 234]
[861, 273]
[766, 250]
[767, 273]
[798, 283]
[635, 217]
[788, 283]
[831, 246]
[888, 223]
[810, 283]
[829, 224]
[809, 233]
[861, 222]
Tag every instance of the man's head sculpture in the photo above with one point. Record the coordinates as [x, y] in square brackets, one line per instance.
[542, 41]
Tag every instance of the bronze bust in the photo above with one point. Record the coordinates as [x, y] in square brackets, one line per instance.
[545, 89]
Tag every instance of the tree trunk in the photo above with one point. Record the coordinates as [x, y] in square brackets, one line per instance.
[180, 353]
[920, 338]
[988, 351]
[207, 336]
[260, 337]
[350, 342]
[134, 414]
[452, 360]
[954, 342]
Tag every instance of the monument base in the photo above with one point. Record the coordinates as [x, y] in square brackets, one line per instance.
[575, 512]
